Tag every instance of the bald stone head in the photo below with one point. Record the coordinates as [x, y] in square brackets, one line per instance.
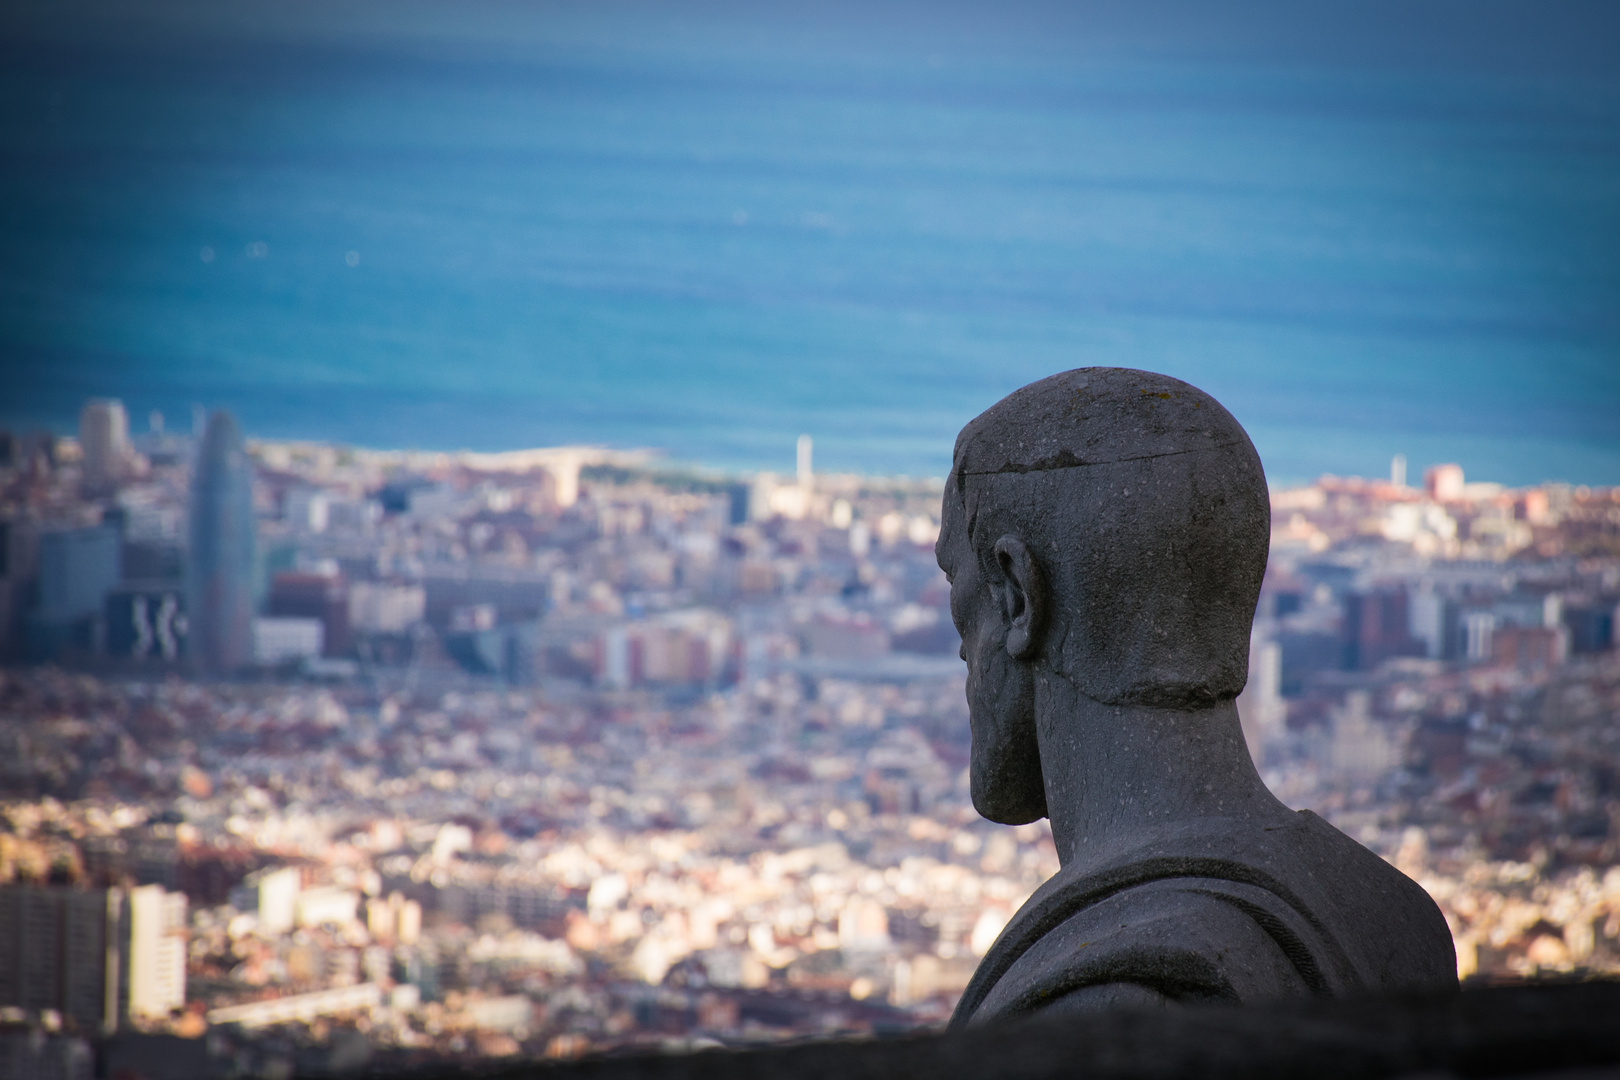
[1108, 527]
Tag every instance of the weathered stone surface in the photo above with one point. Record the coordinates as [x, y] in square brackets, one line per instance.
[1105, 532]
[1564, 1031]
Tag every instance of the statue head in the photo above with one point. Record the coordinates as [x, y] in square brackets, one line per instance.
[1108, 528]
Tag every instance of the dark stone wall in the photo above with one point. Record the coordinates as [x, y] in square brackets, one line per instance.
[1570, 1030]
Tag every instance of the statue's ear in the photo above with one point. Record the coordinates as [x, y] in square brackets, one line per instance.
[1023, 595]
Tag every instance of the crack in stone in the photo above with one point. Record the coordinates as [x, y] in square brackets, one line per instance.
[1066, 460]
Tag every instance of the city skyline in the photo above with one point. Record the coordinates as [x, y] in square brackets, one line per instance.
[516, 457]
[563, 750]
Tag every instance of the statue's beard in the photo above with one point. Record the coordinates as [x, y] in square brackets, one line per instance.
[1005, 772]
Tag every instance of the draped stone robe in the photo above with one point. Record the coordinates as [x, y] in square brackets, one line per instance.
[1218, 910]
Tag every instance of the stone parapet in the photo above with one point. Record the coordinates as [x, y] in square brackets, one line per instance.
[1542, 1030]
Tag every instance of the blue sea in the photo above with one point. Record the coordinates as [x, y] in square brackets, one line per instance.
[1367, 228]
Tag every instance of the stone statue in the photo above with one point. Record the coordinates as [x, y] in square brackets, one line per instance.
[1105, 532]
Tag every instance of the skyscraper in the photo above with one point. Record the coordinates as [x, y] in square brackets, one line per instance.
[1262, 709]
[77, 568]
[104, 439]
[157, 951]
[807, 478]
[98, 956]
[219, 566]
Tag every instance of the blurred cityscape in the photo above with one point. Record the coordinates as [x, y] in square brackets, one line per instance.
[316, 758]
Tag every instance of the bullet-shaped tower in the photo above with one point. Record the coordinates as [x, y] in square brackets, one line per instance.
[219, 566]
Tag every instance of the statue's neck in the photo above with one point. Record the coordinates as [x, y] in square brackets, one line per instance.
[1117, 772]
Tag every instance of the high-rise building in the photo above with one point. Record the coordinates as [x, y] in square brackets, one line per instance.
[157, 951]
[77, 569]
[1377, 626]
[1262, 710]
[97, 956]
[219, 567]
[104, 440]
[1434, 622]
[806, 475]
[19, 567]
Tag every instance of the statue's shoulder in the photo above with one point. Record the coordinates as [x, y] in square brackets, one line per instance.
[1224, 910]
